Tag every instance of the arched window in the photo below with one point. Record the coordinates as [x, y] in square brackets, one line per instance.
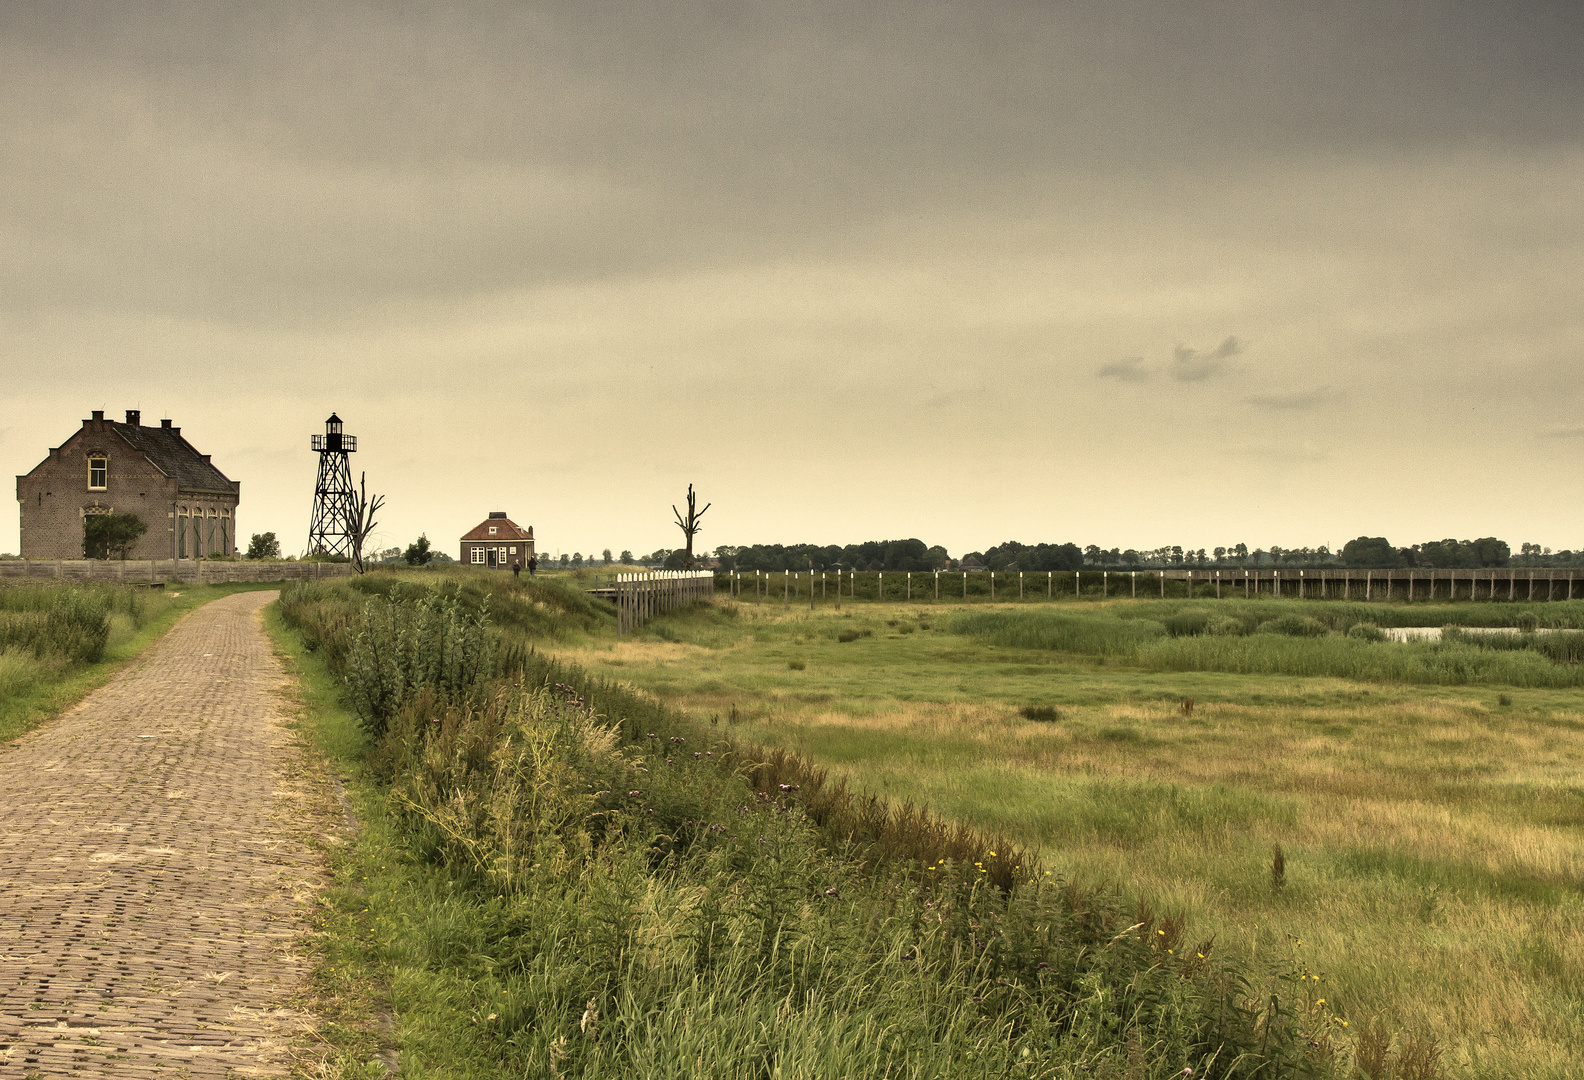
[98, 472]
[182, 521]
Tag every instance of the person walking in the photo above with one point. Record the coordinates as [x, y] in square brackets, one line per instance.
[516, 570]
[533, 565]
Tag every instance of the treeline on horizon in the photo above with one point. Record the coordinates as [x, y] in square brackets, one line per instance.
[1363, 553]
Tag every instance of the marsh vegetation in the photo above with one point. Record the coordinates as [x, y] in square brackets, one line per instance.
[1424, 796]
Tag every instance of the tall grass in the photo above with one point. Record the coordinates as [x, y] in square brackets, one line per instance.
[59, 640]
[610, 889]
[1303, 639]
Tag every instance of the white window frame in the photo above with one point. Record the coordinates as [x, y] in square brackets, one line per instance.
[492, 530]
[105, 470]
[478, 555]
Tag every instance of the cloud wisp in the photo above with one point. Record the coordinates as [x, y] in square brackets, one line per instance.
[1298, 401]
[1191, 365]
[1130, 369]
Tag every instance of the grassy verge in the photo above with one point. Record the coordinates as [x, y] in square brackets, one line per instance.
[349, 990]
[555, 878]
[32, 691]
[1432, 836]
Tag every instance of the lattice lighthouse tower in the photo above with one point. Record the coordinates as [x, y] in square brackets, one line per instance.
[331, 530]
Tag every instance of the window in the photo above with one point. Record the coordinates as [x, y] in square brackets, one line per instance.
[514, 551]
[492, 530]
[181, 534]
[478, 555]
[98, 473]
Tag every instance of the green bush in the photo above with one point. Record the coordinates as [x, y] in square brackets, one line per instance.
[1294, 626]
[1186, 623]
[1366, 631]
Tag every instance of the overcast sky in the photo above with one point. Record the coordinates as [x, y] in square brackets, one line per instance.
[1119, 274]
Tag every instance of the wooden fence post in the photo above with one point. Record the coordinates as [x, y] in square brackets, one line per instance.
[1135, 583]
[992, 586]
[937, 584]
[838, 588]
[965, 586]
[1050, 584]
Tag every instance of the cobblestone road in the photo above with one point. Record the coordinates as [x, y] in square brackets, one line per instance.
[153, 870]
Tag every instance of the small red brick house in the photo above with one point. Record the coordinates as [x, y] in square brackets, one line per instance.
[497, 542]
[107, 467]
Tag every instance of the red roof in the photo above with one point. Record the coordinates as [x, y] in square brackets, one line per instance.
[505, 529]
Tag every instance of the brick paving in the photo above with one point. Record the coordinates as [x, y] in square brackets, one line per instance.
[154, 868]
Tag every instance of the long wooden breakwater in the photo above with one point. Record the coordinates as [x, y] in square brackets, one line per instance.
[1417, 584]
[639, 597]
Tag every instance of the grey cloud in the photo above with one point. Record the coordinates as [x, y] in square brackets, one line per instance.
[1298, 401]
[276, 162]
[1191, 365]
[1575, 431]
[1131, 369]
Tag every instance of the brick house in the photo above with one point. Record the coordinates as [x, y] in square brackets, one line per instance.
[497, 542]
[113, 468]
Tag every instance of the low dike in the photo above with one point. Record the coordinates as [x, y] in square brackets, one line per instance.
[161, 571]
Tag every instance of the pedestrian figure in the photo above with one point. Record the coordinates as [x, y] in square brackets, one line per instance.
[516, 570]
[533, 565]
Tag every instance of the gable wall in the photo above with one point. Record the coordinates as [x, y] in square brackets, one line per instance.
[53, 497]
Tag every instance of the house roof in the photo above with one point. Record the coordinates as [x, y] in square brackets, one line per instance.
[505, 529]
[175, 457]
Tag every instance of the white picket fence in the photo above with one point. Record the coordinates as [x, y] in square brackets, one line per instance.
[641, 596]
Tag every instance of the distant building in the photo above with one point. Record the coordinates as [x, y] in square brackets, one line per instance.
[497, 542]
[113, 468]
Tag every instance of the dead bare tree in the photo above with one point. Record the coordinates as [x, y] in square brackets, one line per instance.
[363, 510]
[689, 525]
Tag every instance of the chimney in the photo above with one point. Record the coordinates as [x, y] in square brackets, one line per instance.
[134, 418]
[205, 457]
[165, 424]
[176, 431]
[98, 414]
[497, 514]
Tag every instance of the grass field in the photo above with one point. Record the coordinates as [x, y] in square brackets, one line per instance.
[1429, 806]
